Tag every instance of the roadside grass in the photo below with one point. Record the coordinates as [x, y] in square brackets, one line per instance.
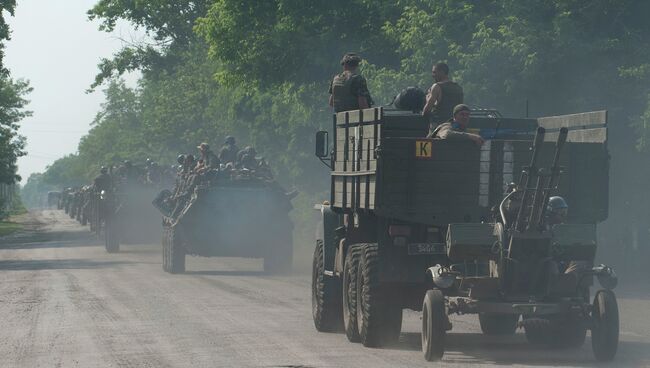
[8, 227]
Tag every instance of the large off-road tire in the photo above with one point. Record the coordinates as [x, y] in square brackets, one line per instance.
[111, 236]
[434, 325]
[173, 251]
[350, 270]
[279, 256]
[605, 326]
[379, 320]
[326, 303]
[498, 324]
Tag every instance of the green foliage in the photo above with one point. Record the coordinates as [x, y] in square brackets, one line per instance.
[259, 70]
[270, 42]
[12, 103]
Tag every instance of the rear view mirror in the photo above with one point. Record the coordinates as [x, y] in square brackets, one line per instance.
[322, 144]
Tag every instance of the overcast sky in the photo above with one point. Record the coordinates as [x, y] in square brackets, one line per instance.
[57, 49]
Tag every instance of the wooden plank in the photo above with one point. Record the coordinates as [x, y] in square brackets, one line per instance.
[585, 119]
[595, 135]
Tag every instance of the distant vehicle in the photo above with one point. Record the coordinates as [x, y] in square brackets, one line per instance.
[53, 198]
[234, 216]
[423, 224]
[125, 216]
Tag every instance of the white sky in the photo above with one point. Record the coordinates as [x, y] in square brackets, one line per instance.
[57, 49]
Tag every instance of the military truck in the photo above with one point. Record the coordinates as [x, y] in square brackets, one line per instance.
[411, 218]
[238, 215]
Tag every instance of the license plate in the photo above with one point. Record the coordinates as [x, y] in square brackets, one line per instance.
[427, 248]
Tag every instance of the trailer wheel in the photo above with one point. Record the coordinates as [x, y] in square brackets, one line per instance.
[326, 304]
[173, 252]
[350, 270]
[434, 325]
[605, 326]
[498, 324]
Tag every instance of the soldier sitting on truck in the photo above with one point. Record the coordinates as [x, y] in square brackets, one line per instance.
[208, 158]
[349, 90]
[229, 151]
[442, 97]
[455, 128]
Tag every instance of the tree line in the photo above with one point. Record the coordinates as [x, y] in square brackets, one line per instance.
[259, 70]
[12, 110]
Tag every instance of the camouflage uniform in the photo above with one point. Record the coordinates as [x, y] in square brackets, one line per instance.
[346, 88]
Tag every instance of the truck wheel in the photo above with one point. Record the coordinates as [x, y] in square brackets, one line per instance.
[173, 252]
[604, 333]
[111, 240]
[498, 324]
[370, 308]
[350, 270]
[326, 303]
[434, 325]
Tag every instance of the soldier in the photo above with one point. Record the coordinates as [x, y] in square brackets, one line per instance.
[102, 181]
[208, 158]
[455, 128]
[349, 90]
[442, 97]
[229, 151]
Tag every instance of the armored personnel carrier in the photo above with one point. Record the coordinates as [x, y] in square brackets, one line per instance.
[439, 226]
[235, 214]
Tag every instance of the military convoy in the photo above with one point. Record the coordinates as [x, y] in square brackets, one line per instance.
[441, 226]
[119, 213]
[234, 213]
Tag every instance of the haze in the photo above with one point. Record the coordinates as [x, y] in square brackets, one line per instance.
[57, 49]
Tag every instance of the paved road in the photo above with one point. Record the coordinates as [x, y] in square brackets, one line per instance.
[64, 302]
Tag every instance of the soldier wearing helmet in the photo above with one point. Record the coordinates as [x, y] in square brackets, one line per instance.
[229, 150]
[349, 90]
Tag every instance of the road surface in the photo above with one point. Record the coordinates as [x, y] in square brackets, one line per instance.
[65, 302]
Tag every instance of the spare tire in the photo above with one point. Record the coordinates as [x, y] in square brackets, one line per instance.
[410, 99]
